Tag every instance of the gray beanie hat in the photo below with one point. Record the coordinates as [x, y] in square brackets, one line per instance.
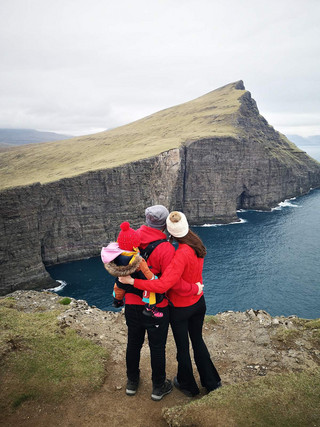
[156, 216]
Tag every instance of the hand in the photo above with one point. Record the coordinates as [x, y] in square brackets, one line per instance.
[126, 280]
[200, 286]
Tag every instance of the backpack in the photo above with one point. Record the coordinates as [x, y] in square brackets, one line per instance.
[145, 253]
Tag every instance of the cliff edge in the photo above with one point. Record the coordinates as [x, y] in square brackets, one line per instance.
[251, 350]
[208, 157]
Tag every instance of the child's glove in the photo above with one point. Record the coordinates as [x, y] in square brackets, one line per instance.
[117, 303]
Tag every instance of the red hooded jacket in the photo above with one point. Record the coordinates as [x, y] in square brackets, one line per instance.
[186, 265]
[158, 261]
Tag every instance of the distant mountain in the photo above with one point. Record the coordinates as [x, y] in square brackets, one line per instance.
[13, 137]
[301, 141]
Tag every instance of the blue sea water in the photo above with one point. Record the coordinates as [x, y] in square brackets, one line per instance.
[269, 261]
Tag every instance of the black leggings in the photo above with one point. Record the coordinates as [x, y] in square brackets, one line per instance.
[157, 330]
[185, 322]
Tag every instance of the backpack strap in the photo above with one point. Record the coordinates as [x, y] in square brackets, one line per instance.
[146, 252]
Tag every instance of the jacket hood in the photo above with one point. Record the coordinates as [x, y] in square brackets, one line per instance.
[123, 270]
[149, 234]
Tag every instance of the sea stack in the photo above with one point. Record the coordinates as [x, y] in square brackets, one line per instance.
[63, 200]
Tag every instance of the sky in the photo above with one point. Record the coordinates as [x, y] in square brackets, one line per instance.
[80, 67]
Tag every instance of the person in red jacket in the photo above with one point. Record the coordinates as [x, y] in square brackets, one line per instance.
[137, 323]
[187, 313]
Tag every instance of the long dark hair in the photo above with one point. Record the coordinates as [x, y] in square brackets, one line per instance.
[193, 240]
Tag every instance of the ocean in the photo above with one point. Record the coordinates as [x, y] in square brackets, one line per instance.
[268, 261]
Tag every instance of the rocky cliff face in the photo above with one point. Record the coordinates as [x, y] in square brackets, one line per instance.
[209, 178]
[256, 170]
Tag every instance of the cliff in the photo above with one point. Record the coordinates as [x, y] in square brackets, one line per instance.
[208, 157]
[269, 368]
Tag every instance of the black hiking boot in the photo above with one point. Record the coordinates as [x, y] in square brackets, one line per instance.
[132, 387]
[159, 392]
[183, 390]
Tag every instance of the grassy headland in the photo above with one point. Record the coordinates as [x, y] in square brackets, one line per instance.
[211, 115]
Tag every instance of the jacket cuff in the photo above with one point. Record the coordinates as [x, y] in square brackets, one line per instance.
[195, 289]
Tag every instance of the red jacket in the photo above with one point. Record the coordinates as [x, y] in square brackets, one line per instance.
[158, 261]
[186, 265]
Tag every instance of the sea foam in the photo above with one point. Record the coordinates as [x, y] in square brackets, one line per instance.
[285, 204]
[62, 285]
[242, 221]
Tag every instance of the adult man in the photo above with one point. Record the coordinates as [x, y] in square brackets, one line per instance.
[137, 322]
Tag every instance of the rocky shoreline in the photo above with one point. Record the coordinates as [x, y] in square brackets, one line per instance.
[243, 345]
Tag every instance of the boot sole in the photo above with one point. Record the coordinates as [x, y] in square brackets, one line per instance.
[157, 398]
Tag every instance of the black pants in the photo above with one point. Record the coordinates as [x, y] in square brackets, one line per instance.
[185, 322]
[157, 330]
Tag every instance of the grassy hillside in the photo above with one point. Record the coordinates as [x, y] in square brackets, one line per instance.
[210, 115]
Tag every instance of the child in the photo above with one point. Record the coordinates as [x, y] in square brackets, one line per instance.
[122, 258]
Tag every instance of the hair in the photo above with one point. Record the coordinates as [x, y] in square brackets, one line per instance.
[193, 240]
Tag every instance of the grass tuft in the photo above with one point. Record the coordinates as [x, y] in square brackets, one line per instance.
[286, 336]
[313, 324]
[65, 301]
[211, 320]
[43, 362]
[21, 399]
[288, 400]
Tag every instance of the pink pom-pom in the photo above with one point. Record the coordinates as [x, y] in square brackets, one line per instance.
[125, 226]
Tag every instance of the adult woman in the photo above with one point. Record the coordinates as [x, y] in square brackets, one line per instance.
[187, 313]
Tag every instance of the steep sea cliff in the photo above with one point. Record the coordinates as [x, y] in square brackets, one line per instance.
[231, 159]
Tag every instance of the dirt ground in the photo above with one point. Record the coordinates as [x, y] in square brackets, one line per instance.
[242, 346]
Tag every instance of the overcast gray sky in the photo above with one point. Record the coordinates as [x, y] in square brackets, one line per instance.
[76, 66]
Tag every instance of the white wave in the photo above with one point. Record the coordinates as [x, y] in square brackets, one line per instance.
[250, 210]
[285, 204]
[62, 285]
[242, 221]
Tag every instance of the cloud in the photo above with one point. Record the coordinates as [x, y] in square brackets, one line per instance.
[76, 66]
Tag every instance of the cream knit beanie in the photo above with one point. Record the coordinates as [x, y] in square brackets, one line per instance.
[177, 224]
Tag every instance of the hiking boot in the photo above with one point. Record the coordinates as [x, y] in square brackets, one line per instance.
[159, 392]
[132, 387]
[183, 390]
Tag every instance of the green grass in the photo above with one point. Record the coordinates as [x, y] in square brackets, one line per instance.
[286, 400]
[42, 362]
[211, 115]
[65, 301]
[303, 328]
[287, 336]
[313, 324]
[211, 320]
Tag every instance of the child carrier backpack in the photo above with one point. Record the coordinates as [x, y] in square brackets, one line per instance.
[145, 253]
